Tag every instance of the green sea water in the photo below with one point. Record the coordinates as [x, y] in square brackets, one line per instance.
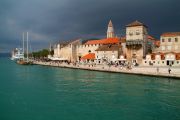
[49, 93]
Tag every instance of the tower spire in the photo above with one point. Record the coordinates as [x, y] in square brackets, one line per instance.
[110, 24]
[110, 30]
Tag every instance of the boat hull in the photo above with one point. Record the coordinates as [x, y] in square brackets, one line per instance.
[23, 62]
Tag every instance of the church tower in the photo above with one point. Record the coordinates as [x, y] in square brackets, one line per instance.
[110, 30]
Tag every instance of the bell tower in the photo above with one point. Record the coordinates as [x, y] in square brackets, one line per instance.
[110, 30]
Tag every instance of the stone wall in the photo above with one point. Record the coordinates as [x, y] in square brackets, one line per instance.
[85, 49]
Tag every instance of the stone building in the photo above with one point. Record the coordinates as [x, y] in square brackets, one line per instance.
[92, 46]
[132, 48]
[108, 53]
[169, 42]
[67, 50]
[168, 52]
[136, 42]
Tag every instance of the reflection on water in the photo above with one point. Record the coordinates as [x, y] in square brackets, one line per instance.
[43, 93]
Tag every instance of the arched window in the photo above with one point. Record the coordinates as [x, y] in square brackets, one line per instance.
[89, 51]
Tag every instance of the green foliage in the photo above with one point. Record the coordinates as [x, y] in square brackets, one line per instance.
[42, 53]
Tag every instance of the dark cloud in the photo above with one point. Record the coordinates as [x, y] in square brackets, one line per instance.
[52, 20]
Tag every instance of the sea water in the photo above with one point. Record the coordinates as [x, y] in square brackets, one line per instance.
[50, 93]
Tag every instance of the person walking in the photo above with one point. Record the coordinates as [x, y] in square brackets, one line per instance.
[169, 70]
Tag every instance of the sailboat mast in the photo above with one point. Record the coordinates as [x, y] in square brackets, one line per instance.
[23, 44]
[27, 47]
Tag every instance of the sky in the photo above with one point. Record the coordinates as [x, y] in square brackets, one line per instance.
[50, 21]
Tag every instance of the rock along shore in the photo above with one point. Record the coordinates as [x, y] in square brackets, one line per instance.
[140, 70]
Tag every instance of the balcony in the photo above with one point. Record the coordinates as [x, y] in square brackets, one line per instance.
[134, 42]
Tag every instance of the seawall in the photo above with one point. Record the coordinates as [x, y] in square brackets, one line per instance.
[142, 70]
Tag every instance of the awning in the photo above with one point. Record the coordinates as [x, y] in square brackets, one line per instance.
[120, 59]
[90, 56]
[58, 59]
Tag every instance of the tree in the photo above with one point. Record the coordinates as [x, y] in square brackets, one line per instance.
[42, 53]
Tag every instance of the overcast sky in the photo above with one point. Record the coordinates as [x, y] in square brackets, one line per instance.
[49, 21]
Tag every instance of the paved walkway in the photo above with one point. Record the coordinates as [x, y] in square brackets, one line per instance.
[142, 70]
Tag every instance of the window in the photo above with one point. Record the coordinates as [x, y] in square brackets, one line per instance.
[177, 62]
[137, 32]
[162, 40]
[176, 39]
[169, 39]
[154, 62]
[163, 47]
[145, 61]
[168, 47]
[163, 62]
[130, 33]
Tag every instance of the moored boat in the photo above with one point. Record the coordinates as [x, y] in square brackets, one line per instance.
[25, 61]
[17, 54]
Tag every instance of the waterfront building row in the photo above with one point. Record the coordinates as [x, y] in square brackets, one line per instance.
[136, 48]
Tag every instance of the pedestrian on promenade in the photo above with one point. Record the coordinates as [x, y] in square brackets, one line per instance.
[169, 70]
[157, 69]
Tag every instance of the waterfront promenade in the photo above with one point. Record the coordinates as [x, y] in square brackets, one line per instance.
[140, 70]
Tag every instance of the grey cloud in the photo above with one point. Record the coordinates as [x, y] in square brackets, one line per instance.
[53, 20]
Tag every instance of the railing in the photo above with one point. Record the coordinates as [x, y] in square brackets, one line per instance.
[134, 42]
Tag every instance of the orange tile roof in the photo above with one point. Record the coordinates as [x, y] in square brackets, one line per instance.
[89, 56]
[170, 34]
[103, 41]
